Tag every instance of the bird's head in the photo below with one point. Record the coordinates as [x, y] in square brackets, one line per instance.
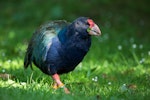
[86, 25]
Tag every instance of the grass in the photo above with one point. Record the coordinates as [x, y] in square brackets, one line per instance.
[116, 67]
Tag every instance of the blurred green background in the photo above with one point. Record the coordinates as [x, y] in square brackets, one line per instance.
[120, 21]
[120, 55]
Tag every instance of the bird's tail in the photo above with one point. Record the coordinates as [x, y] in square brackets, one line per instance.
[27, 60]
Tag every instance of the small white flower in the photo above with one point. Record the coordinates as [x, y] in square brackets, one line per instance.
[124, 84]
[3, 70]
[119, 47]
[149, 53]
[95, 79]
[141, 46]
[142, 60]
[134, 46]
[9, 61]
[123, 88]
[109, 83]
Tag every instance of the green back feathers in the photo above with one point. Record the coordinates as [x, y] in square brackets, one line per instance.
[41, 41]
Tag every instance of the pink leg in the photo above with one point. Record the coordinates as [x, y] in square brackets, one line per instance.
[59, 84]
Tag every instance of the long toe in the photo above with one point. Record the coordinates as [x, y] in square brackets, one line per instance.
[66, 90]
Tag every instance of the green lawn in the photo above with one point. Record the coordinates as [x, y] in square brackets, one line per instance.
[117, 66]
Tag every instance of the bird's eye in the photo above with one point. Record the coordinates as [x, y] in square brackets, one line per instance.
[87, 23]
[78, 24]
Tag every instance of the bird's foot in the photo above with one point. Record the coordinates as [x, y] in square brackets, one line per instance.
[56, 86]
[59, 84]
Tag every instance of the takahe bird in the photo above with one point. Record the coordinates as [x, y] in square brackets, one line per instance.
[57, 47]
